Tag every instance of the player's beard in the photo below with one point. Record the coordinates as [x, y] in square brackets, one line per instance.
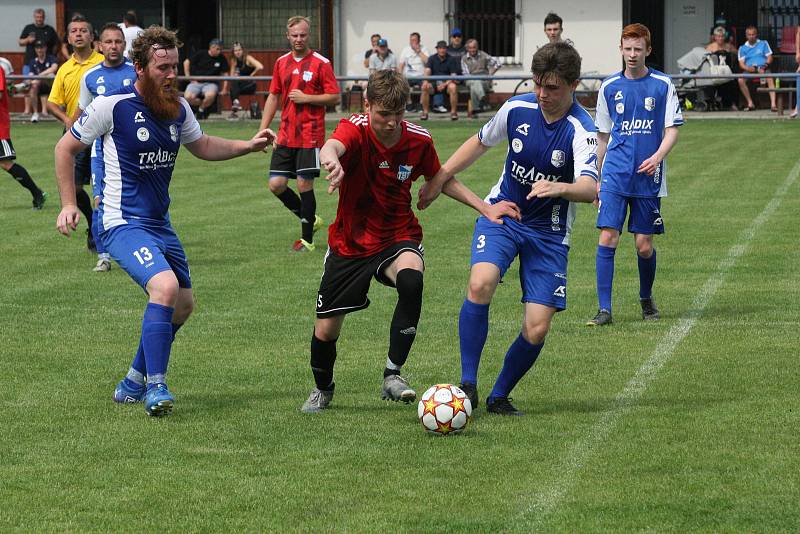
[163, 101]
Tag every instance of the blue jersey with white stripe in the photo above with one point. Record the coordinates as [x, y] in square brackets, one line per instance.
[635, 113]
[102, 80]
[558, 152]
[139, 155]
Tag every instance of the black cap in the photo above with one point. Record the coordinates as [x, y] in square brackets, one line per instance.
[441, 44]
[215, 42]
[38, 44]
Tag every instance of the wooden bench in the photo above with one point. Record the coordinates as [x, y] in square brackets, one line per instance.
[779, 91]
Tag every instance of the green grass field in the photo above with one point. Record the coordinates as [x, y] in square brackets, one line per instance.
[687, 424]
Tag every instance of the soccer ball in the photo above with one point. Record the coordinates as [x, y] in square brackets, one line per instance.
[444, 409]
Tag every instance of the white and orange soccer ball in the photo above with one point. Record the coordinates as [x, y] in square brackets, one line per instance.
[444, 409]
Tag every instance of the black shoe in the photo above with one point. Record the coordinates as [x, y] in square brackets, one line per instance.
[501, 406]
[38, 201]
[472, 393]
[90, 241]
[602, 318]
[649, 310]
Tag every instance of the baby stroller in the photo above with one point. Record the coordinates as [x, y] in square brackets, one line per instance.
[700, 93]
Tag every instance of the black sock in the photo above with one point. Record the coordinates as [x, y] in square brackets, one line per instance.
[406, 317]
[290, 200]
[323, 356]
[21, 175]
[308, 211]
[84, 204]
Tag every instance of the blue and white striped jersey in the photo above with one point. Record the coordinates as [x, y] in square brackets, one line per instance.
[635, 113]
[139, 154]
[559, 152]
[100, 80]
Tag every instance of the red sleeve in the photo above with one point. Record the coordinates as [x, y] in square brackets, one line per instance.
[329, 84]
[430, 161]
[275, 86]
[349, 135]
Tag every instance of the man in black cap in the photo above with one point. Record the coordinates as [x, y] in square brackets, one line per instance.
[456, 47]
[209, 62]
[440, 64]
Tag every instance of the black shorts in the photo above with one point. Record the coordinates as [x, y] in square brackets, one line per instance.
[83, 167]
[345, 281]
[293, 162]
[7, 150]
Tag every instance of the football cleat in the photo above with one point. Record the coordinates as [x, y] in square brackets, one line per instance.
[501, 406]
[317, 401]
[124, 394]
[602, 318]
[38, 202]
[301, 245]
[103, 266]
[649, 310]
[318, 222]
[158, 401]
[472, 392]
[396, 388]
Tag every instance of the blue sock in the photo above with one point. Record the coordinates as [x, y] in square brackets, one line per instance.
[157, 335]
[137, 374]
[519, 359]
[605, 275]
[101, 249]
[647, 275]
[473, 327]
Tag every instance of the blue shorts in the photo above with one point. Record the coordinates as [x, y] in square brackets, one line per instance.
[542, 263]
[145, 251]
[645, 217]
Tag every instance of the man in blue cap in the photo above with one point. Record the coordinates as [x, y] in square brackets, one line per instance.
[456, 47]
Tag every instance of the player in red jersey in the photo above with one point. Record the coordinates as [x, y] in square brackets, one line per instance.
[7, 154]
[305, 83]
[373, 160]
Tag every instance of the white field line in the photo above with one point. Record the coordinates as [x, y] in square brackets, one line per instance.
[549, 498]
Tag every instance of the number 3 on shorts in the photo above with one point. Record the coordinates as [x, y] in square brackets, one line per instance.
[481, 242]
[143, 255]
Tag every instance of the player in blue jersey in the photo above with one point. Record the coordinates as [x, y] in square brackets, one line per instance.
[637, 117]
[142, 128]
[113, 74]
[551, 164]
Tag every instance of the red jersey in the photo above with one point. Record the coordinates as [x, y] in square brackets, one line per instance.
[5, 119]
[302, 125]
[375, 193]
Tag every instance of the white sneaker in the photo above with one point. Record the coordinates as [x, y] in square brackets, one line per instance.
[35, 117]
[440, 109]
[103, 266]
[236, 107]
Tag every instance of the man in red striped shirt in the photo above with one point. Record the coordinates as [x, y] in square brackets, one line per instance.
[373, 160]
[305, 83]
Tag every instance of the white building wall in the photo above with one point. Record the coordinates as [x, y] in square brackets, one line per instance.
[593, 25]
[16, 14]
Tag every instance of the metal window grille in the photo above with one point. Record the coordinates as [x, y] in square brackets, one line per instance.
[261, 24]
[773, 16]
[494, 23]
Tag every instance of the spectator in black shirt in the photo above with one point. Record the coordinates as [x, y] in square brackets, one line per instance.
[456, 48]
[440, 64]
[44, 64]
[38, 31]
[209, 62]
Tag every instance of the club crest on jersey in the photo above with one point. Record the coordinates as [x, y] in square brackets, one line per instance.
[516, 145]
[126, 82]
[101, 89]
[404, 172]
[523, 128]
[173, 133]
[139, 117]
[618, 96]
[307, 75]
[558, 158]
[649, 103]
[143, 134]
[620, 107]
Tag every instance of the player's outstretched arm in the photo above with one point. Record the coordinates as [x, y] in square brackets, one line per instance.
[466, 155]
[66, 150]
[650, 165]
[584, 189]
[494, 212]
[332, 150]
[212, 148]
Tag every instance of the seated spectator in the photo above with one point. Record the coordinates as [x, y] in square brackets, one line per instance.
[456, 47]
[209, 62]
[725, 51]
[440, 64]
[412, 60]
[243, 64]
[372, 50]
[755, 55]
[383, 59]
[34, 33]
[43, 64]
[477, 62]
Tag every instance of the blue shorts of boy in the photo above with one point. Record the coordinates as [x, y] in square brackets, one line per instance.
[145, 251]
[645, 213]
[542, 262]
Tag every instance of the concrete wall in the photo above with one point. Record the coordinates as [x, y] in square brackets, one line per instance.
[15, 15]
